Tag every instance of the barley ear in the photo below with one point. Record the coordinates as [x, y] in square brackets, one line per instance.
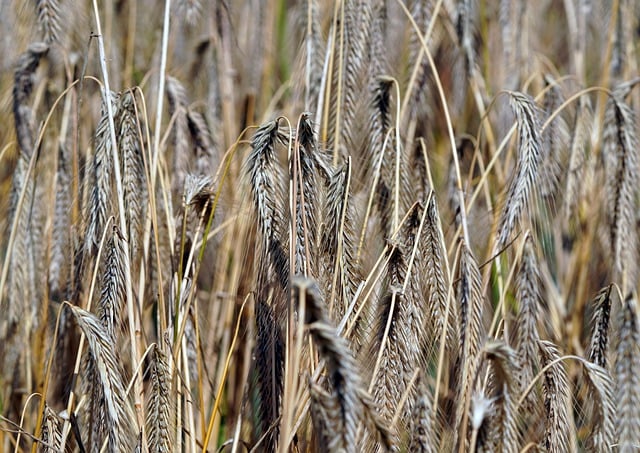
[190, 10]
[526, 329]
[112, 295]
[160, 423]
[24, 76]
[100, 205]
[554, 141]
[528, 163]
[20, 284]
[268, 371]
[325, 416]
[134, 181]
[358, 26]
[423, 436]
[598, 351]
[340, 273]
[601, 397]
[315, 53]
[578, 159]
[350, 399]
[51, 432]
[468, 293]
[304, 158]
[400, 331]
[265, 184]
[503, 435]
[115, 414]
[379, 153]
[178, 103]
[436, 283]
[627, 376]
[557, 400]
[61, 243]
[619, 148]
[49, 12]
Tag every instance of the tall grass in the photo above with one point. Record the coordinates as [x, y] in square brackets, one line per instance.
[348, 225]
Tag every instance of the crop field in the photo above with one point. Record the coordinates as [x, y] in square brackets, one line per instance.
[319, 226]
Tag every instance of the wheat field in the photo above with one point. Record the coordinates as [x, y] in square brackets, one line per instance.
[319, 226]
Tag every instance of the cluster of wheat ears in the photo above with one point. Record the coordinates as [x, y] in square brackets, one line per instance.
[309, 226]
